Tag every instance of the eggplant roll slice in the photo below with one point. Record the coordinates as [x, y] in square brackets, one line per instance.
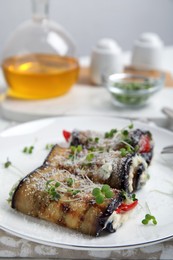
[128, 173]
[138, 139]
[65, 199]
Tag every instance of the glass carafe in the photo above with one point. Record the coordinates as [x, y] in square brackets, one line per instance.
[38, 60]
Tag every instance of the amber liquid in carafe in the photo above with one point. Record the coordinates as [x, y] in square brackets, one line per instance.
[38, 76]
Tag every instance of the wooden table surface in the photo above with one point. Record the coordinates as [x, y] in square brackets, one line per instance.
[84, 76]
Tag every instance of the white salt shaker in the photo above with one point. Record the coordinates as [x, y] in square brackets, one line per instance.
[147, 52]
[106, 59]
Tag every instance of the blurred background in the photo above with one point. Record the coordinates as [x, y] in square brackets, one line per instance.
[88, 21]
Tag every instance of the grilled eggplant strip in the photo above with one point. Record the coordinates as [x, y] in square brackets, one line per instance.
[136, 138]
[128, 173]
[79, 212]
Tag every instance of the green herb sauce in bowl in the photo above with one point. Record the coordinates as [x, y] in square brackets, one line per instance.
[133, 90]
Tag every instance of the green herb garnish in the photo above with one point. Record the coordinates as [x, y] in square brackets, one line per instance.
[75, 151]
[131, 95]
[131, 126]
[123, 152]
[48, 182]
[134, 197]
[7, 163]
[96, 139]
[125, 132]
[89, 157]
[79, 148]
[49, 146]
[28, 149]
[111, 133]
[149, 218]
[70, 182]
[51, 188]
[93, 140]
[126, 150]
[136, 148]
[124, 194]
[57, 184]
[75, 192]
[107, 191]
[127, 196]
[101, 194]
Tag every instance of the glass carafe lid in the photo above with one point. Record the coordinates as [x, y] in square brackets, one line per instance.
[38, 59]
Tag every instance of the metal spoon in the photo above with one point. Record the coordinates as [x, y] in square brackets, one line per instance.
[168, 112]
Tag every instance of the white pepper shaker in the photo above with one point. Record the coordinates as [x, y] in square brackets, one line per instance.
[147, 52]
[106, 59]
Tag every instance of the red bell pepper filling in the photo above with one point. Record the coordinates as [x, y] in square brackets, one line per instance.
[66, 135]
[126, 207]
[144, 144]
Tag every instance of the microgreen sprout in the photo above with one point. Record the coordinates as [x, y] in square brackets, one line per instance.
[124, 194]
[99, 149]
[127, 140]
[125, 136]
[123, 152]
[101, 194]
[55, 194]
[127, 196]
[79, 148]
[96, 139]
[136, 148]
[75, 151]
[92, 149]
[49, 146]
[48, 182]
[126, 150]
[125, 132]
[134, 197]
[7, 164]
[111, 133]
[70, 182]
[93, 140]
[28, 150]
[131, 126]
[51, 187]
[75, 192]
[57, 184]
[107, 191]
[89, 157]
[17, 171]
[149, 218]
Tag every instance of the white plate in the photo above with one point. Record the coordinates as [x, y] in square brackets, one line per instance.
[131, 234]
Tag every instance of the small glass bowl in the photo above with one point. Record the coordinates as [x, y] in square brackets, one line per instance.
[133, 90]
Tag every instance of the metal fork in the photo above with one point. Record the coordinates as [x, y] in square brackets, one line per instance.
[167, 149]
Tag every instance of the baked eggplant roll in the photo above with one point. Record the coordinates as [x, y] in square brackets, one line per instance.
[139, 140]
[71, 201]
[128, 171]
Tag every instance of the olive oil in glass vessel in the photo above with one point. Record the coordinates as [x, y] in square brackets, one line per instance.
[38, 60]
